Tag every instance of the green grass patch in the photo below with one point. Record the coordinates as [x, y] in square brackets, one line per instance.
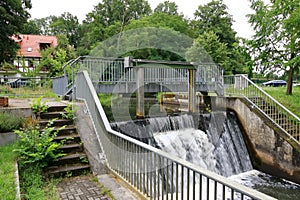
[7, 172]
[33, 185]
[291, 102]
[27, 92]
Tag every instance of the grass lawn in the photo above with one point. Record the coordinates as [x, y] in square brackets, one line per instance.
[7, 171]
[292, 102]
[26, 92]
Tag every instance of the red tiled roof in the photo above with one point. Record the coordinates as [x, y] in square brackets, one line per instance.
[30, 44]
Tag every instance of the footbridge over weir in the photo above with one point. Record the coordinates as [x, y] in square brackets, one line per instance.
[152, 173]
[114, 75]
[126, 75]
[85, 77]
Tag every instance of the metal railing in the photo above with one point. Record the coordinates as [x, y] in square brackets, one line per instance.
[113, 70]
[285, 120]
[152, 172]
[25, 86]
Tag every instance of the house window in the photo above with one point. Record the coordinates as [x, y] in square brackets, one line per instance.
[44, 46]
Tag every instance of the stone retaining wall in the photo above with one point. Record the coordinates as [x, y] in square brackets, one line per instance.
[270, 152]
[7, 138]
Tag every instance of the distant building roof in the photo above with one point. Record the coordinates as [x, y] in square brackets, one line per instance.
[31, 45]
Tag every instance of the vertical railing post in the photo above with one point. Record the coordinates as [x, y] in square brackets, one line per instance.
[140, 92]
[192, 90]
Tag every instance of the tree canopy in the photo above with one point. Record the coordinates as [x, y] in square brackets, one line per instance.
[276, 44]
[211, 28]
[170, 8]
[14, 14]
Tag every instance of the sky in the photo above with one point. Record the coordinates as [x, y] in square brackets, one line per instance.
[237, 8]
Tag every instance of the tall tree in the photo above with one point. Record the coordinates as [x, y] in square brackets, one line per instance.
[108, 18]
[276, 41]
[213, 17]
[175, 23]
[14, 14]
[208, 48]
[68, 25]
[31, 27]
[167, 7]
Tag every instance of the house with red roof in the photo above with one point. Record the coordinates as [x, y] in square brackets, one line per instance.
[29, 54]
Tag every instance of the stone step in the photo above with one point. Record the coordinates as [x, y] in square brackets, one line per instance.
[57, 122]
[69, 138]
[67, 169]
[52, 115]
[69, 148]
[72, 158]
[67, 130]
[58, 108]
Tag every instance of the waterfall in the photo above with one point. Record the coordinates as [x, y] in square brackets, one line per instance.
[220, 148]
[213, 141]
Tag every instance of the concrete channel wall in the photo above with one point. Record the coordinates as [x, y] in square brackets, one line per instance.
[270, 152]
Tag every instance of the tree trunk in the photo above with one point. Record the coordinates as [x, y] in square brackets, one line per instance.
[289, 90]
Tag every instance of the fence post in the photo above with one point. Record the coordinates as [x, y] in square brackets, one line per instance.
[140, 92]
[192, 91]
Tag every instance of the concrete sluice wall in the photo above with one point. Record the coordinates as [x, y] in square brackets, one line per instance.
[270, 152]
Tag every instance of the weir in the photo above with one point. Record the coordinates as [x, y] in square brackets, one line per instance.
[148, 169]
[213, 141]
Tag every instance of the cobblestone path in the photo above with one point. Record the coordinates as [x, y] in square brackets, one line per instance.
[80, 188]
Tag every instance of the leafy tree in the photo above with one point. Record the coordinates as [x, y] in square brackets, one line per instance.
[54, 58]
[170, 8]
[66, 24]
[146, 43]
[14, 15]
[42, 24]
[208, 48]
[276, 42]
[109, 18]
[174, 23]
[31, 27]
[243, 62]
[213, 17]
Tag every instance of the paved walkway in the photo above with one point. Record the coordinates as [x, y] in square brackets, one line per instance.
[81, 188]
[85, 188]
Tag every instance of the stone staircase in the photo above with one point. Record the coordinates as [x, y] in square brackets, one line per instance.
[75, 162]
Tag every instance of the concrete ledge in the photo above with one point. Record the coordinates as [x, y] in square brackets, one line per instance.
[17, 182]
[116, 187]
[7, 138]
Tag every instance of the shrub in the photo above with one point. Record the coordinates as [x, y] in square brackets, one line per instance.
[37, 147]
[9, 122]
[38, 106]
[70, 112]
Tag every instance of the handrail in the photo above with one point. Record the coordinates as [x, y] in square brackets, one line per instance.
[274, 100]
[153, 173]
[112, 70]
[288, 122]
